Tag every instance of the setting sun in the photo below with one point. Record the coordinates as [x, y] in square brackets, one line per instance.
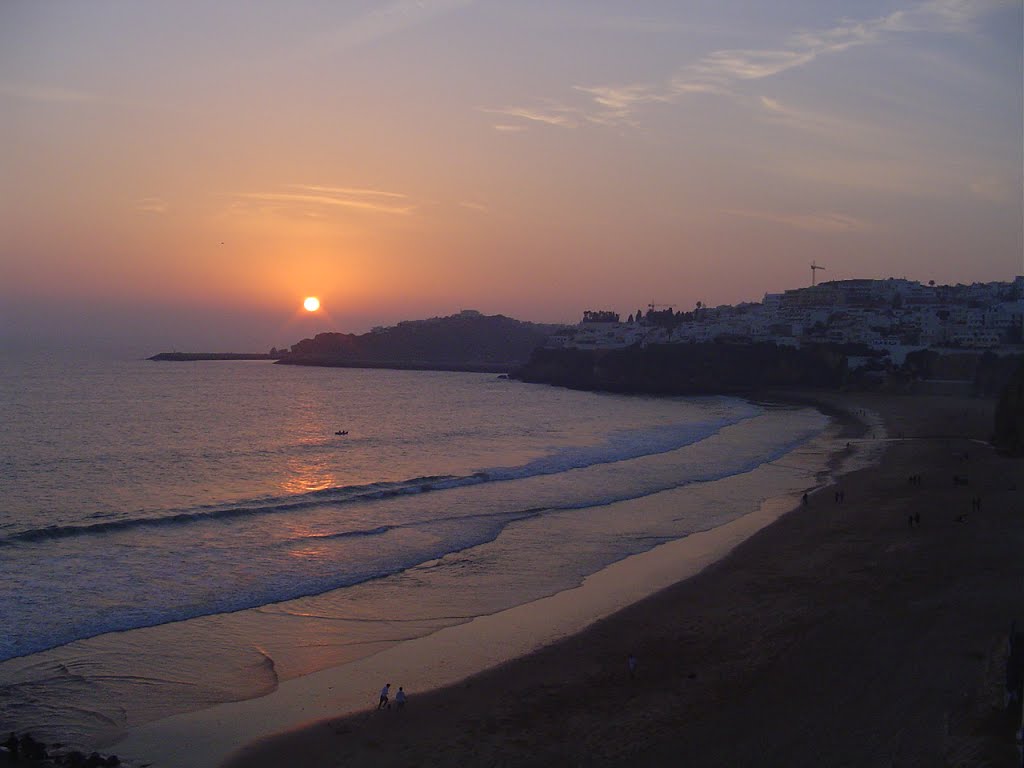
[312, 303]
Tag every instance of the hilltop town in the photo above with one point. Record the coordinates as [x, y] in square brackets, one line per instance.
[838, 333]
[891, 335]
[889, 318]
[894, 335]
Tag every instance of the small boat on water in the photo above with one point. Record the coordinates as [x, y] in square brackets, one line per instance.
[341, 432]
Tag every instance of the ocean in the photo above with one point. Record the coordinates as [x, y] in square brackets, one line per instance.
[215, 501]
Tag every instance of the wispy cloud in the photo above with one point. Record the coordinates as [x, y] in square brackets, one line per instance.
[389, 19]
[723, 70]
[320, 198]
[827, 223]
[474, 206]
[551, 114]
[47, 94]
[151, 205]
[992, 189]
[617, 102]
[726, 71]
[808, 121]
[888, 173]
[349, 191]
[953, 15]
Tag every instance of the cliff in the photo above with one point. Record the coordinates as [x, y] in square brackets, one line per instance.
[687, 368]
[467, 341]
[1008, 435]
[986, 372]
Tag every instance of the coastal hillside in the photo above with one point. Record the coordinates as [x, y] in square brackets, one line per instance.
[686, 368]
[717, 367]
[1009, 419]
[466, 341]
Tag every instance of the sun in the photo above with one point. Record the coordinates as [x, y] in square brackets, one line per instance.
[312, 303]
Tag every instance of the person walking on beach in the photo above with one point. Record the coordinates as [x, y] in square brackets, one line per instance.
[400, 698]
[631, 663]
[383, 703]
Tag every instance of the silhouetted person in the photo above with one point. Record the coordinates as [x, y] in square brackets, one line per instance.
[400, 698]
[631, 664]
[384, 697]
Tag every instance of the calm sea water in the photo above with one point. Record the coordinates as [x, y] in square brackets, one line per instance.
[216, 495]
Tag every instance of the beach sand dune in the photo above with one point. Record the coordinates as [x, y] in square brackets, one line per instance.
[841, 635]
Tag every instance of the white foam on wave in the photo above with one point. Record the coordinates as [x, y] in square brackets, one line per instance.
[341, 537]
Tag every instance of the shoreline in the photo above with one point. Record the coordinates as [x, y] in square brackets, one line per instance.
[827, 638]
[453, 654]
[304, 712]
[200, 662]
[509, 635]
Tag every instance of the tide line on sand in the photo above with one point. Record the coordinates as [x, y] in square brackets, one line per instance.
[204, 739]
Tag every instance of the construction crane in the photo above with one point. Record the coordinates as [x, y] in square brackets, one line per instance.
[814, 268]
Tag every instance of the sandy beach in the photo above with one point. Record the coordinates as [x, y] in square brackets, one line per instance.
[827, 633]
[840, 635]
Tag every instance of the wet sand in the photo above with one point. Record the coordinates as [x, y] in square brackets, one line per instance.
[205, 737]
[840, 635]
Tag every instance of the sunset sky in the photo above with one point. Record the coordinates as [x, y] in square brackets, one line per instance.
[183, 174]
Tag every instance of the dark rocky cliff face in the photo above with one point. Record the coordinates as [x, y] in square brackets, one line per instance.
[1008, 435]
[687, 368]
[719, 367]
[987, 372]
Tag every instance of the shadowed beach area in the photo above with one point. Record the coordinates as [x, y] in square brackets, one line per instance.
[841, 635]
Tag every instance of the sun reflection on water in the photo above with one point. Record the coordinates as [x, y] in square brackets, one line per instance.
[306, 476]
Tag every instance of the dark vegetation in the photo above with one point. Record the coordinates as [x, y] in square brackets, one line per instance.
[988, 372]
[466, 341]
